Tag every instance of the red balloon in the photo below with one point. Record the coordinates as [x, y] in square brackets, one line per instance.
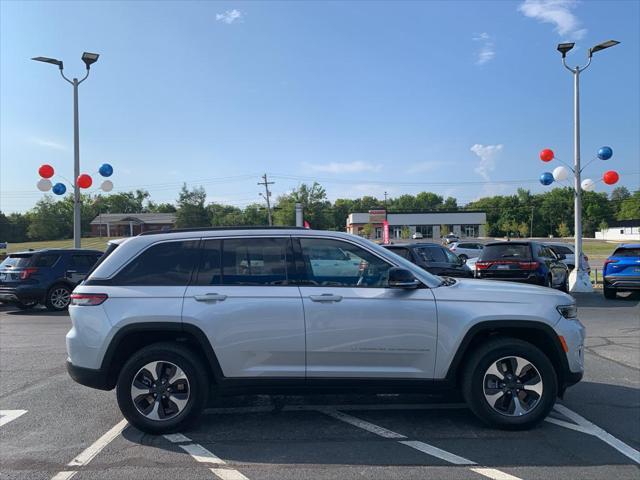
[610, 177]
[546, 155]
[45, 171]
[84, 181]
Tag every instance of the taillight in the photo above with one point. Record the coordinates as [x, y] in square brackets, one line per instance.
[88, 299]
[482, 265]
[528, 265]
[27, 272]
[607, 262]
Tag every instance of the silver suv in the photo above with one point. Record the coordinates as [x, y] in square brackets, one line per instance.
[167, 318]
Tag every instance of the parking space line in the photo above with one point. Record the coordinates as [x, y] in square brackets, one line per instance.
[177, 438]
[7, 416]
[437, 452]
[596, 431]
[201, 454]
[226, 474]
[91, 451]
[494, 474]
[571, 426]
[357, 422]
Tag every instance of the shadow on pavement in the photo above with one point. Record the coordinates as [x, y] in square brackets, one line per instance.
[597, 300]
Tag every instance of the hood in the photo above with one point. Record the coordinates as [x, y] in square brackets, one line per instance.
[501, 292]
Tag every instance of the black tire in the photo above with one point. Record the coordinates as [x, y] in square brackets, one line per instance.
[463, 257]
[565, 285]
[610, 293]
[473, 386]
[197, 387]
[55, 296]
[548, 282]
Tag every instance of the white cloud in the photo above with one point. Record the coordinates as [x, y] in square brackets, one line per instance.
[426, 167]
[350, 167]
[48, 143]
[229, 16]
[487, 155]
[557, 12]
[487, 50]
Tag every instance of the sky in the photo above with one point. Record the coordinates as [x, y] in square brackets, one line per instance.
[453, 97]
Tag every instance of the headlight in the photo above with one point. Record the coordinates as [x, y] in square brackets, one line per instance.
[568, 311]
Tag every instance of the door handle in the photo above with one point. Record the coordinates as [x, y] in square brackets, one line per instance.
[210, 297]
[325, 297]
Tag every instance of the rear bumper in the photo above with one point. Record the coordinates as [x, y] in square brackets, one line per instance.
[626, 282]
[529, 279]
[23, 293]
[89, 377]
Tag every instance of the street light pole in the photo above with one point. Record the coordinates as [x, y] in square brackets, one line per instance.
[88, 59]
[579, 280]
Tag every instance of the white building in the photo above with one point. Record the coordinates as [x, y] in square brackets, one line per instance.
[469, 224]
[622, 230]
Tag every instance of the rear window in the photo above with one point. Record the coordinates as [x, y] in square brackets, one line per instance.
[506, 251]
[627, 252]
[16, 261]
[110, 248]
[561, 249]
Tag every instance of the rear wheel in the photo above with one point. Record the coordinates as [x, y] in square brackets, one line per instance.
[548, 282]
[509, 384]
[610, 293]
[162, 388]
[58, 298]
[463, 257]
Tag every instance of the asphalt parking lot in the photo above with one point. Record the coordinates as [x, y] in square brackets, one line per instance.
[52, 428]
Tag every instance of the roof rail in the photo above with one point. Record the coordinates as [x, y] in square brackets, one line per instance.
[214, 229]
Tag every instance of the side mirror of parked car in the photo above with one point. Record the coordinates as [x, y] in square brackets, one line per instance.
[401, 278]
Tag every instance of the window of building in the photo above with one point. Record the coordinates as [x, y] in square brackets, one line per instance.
[425, 230]
[471, 231]
[164, 264]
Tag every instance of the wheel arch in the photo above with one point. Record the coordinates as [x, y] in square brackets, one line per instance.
[539, 334]
[133, 337]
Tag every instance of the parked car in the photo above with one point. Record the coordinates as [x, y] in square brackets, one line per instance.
[529, 262]
[568, 251]
[417, 236]
[44, 276]
[621, 270]
[466, 250]
[450, 238]
[166, 318]
[433, 258]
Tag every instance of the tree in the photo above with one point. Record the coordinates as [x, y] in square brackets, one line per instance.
[316, 207]
[630, 207]
[13, 228]
[604, 226]
[405, 233]
[563, 230]
[191, 211]
[367, 230]
[153, 207]
[523, 229]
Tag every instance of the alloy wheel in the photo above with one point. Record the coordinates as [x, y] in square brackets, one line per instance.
[512, 386]
[160, 390]
[60, 298]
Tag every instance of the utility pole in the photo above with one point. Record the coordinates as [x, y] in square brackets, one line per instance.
[385, 200]
[531, 227]
[266, 196]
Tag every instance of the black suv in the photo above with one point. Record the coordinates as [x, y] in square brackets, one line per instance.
[44, 276]
[433, 258]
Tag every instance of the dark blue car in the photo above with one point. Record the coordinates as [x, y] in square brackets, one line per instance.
[621, 270]
[44, 276]
[527, 262]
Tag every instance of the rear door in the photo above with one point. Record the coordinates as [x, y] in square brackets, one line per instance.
[244, 298]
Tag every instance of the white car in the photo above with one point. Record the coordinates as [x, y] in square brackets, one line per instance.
[417, 236]
[466, 250]
[568, 251]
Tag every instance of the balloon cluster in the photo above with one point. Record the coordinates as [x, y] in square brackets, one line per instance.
[559, 174]
[83, 181]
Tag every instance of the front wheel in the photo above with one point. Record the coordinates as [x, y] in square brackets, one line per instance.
[463, 257]
[509, 384]
[162, 388]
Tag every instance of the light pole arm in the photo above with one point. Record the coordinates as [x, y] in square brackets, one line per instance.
[85, 77]
[62, 73]
[564, 62]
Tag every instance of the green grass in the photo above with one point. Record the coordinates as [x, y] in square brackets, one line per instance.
[99, 243]
[598, 249]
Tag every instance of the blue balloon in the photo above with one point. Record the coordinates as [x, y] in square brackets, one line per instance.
[605, 153]
[105, 170]
[59, 189]
[546, 178]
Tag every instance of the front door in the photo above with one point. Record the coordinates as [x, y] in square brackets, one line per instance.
[356, 325]
[244, 300]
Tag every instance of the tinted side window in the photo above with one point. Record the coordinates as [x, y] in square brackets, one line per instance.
[82, 263]
[432, 254]
[255, 261]
[210, 271]
[164, 264]
[403, 252]
[47, 260]
[360, 269]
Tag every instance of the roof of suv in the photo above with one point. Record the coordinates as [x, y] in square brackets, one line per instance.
[413, 245]
[55, 250]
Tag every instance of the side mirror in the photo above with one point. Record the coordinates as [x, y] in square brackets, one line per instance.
[561, 256]
[402, 278]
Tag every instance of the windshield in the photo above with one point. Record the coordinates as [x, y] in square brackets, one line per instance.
[505, 251]
[16, 261]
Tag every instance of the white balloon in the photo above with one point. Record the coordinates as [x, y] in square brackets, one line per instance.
[588, 185]
[44, 184]
[106, 186]
[560, 173]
